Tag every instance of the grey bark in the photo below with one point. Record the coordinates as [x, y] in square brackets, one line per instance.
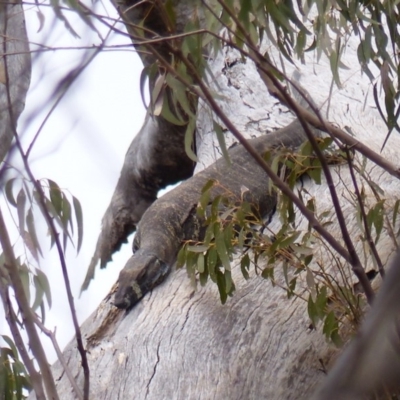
[15, 71]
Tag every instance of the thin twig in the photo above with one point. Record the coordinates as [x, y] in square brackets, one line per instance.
[63, 87]
[363, 215]
[55, 235]
[60, 357]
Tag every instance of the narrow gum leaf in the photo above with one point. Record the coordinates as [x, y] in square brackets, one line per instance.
[79, 220]
[21, 200]
[9, 192]
[44, 283]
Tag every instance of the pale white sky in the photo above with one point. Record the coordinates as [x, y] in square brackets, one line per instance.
[81, 147]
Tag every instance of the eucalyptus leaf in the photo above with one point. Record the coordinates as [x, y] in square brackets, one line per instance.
[44, 284]
[9, 192]
[21, 201]
[79, 220]
[221, 140]
[189, 140]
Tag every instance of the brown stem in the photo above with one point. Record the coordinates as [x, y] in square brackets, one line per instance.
[60, 357]
[364, 216]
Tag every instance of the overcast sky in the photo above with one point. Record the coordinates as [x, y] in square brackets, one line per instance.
[82, 145]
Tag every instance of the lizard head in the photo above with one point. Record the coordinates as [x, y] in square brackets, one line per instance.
[141, 274]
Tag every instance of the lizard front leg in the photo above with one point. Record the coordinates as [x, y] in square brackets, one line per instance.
[141, 274]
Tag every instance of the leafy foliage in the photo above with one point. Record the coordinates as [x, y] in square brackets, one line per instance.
[14, 380]
[66, 214]
[58, 208]
[314, 25]
[235, 234]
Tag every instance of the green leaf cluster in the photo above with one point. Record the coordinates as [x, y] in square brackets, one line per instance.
[64, 209]
[232, 227]
[14, 380]
[212, 257]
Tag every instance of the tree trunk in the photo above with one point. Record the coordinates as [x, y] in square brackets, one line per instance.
[183, 344]
[15, 70]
